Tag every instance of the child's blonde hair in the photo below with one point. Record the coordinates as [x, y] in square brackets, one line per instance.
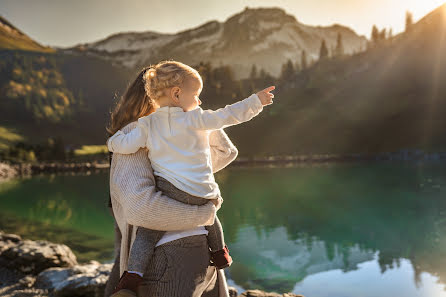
[167, 74]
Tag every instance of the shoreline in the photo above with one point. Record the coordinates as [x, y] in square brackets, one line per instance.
[11, 170]
[45, 269]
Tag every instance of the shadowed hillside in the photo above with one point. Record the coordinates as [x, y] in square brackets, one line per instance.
[390, 97]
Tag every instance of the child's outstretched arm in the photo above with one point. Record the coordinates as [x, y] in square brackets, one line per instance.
[131, 142]
[230, 115]
[223, 151]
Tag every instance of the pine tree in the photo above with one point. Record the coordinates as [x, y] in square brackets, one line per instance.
[382, 35]
[287, 70]
[339, 49]
[253, 74]
[297, 66]
[375, 34]
[409, 21]
[323, 53]
[303, 61]
[389, 33]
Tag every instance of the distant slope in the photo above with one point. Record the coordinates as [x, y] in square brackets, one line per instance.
[267, 37]
[388, 98]
[46, 95]
[13, 38]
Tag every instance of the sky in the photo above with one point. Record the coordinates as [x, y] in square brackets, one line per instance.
[69, 22]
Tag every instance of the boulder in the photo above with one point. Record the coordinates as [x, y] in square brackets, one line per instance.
[79, 280]
[258, 293]
[232, 292]
[8, 240]
[33, 257]
[7, 171]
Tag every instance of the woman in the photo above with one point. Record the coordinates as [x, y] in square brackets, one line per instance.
[136, 203]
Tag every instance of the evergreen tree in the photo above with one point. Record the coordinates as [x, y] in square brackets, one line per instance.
[389, 33]
[375, 34]
[409, 21]
[297, 66]
[266, 78]
[303, 61]
[253, 74]
[323, 52]
[287, 70]
[58, 149]
[339, 49]
[382, 35]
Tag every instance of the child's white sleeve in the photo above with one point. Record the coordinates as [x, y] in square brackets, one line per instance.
[229, 115]
[131, 142]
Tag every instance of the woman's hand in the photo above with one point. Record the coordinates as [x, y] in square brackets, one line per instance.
[265, 96]
[217, 202]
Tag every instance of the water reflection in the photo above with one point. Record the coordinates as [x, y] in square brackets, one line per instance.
[396, 211]
[274, 262]
[62, 209]
[305, 229]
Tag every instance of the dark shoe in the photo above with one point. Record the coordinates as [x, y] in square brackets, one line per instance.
[221, 258]
[128, 285]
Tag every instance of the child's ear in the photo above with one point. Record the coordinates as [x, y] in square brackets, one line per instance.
[176, 94]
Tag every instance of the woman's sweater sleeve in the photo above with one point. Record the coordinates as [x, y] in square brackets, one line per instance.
[132, 186]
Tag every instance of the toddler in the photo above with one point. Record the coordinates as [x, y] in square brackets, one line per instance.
[176, 136]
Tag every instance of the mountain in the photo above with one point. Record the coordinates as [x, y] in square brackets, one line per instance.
[13, 38]
[388, 98]
[56, 95]
[252, 36]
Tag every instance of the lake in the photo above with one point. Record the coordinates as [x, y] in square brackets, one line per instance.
[366, 229]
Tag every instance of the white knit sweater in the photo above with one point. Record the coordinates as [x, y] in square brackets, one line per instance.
[178, 142]
[135, 201]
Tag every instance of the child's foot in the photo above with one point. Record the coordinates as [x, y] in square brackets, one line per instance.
[128, 285]
[221, 258]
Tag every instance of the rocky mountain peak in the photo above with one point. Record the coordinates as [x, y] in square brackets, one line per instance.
[267, 37]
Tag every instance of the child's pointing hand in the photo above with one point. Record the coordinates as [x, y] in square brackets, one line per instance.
[265, 96]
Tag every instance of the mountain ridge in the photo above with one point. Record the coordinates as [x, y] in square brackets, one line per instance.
[13, 38]
[242, 40]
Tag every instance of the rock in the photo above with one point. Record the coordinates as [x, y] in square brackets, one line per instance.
[79, 280]
[232, 292]
[27, 281]
[35, 256]
[7, 171]
[258, 293]
[9, 237]
[17, 290]
[8, 240]
[16, 284]
[58, 273]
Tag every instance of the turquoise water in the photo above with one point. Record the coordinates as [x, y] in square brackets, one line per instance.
[370, 229]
